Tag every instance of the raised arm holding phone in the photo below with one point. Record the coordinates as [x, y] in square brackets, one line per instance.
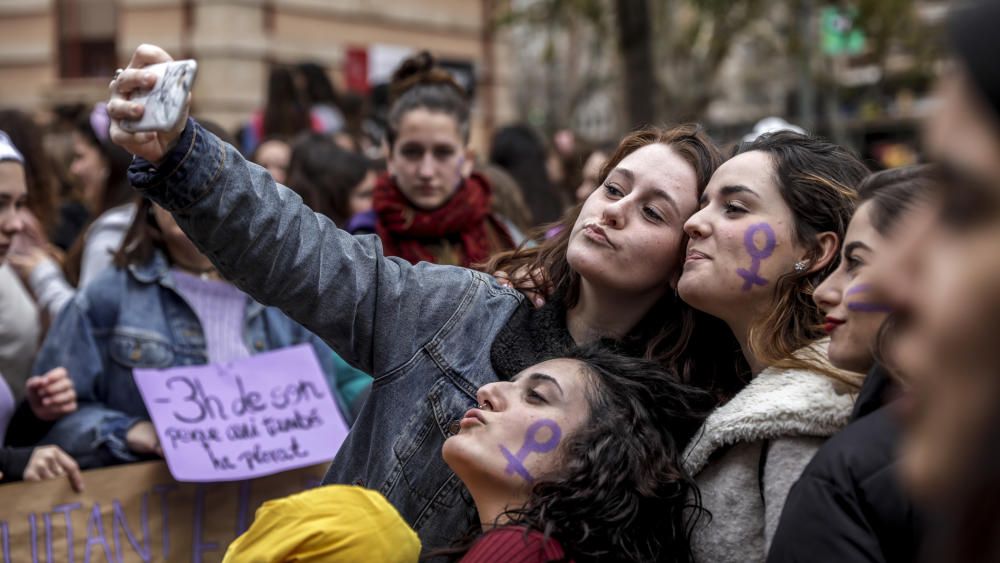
[433, 336]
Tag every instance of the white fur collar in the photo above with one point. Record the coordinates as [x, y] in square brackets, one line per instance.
[776, 403]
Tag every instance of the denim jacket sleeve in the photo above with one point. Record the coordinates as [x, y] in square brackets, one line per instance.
[71, 343]
[375, 311]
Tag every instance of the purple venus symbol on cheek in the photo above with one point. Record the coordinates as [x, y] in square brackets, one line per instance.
[515, 462]
[751, 276]
[865, 306]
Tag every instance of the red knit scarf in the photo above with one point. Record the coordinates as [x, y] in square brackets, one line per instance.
[407, 231]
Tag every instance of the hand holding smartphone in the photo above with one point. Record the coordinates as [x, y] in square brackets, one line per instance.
[164, 102]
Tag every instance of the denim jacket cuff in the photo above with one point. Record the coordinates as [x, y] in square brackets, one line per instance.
[185, 174]
[111, 434]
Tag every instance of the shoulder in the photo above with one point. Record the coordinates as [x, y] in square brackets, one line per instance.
[777, 403]
[514, 543]
[864, 448]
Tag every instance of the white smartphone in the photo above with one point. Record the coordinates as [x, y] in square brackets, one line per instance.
[164, 102]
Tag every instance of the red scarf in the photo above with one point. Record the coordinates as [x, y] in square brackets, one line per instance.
[406, 231]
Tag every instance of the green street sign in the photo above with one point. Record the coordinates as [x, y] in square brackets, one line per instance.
[838, 33]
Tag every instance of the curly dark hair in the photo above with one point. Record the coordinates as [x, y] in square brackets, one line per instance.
[622, 494]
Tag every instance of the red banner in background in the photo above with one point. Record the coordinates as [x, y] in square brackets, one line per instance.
[356, 70]
[135, 512]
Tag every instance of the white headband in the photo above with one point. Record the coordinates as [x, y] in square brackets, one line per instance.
[8, 151]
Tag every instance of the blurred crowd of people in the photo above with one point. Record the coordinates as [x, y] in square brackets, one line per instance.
[557, 351]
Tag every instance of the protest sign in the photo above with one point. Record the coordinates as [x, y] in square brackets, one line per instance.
[248, 418]
[135, 512]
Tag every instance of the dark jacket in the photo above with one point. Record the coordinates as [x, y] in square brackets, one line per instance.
[849, 504]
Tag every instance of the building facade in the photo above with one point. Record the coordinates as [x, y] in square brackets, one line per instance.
[58, 52]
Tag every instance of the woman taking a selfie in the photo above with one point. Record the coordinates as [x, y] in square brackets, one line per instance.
[431, 335]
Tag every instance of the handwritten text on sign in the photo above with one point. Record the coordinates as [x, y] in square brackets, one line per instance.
[261, 415]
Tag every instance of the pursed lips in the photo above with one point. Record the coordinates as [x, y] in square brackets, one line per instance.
[595, 232]
[696, 255]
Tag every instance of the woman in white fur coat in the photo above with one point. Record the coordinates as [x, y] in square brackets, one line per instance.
[769, 228]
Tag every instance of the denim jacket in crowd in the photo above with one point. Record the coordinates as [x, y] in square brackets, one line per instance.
[134, 318]
[423, 331]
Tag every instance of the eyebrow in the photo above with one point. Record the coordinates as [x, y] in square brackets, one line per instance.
[730, 190]
[541, 377]
[658, 192]
[856, 245]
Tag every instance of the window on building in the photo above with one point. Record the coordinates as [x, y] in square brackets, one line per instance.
[87, 38]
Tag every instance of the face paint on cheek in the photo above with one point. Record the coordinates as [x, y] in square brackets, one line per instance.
[860, 288]
[515, 462]
[864, 306]
[751, 276]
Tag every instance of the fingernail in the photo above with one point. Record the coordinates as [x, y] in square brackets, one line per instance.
[539, 302]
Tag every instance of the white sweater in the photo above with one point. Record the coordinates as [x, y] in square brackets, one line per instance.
[751, 450]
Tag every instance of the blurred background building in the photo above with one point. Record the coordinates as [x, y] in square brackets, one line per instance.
[57, 53]
[855, 71]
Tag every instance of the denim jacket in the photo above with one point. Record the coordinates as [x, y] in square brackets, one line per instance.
[423, 331]
[134, 318]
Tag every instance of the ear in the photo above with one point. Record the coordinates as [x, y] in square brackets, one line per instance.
[468, 163]
[829, 246]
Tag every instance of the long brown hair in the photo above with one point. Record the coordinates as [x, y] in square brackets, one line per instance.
[818, 181]
[671, 321]
[142, 239]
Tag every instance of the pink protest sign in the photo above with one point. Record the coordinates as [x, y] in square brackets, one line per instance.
[238, 420]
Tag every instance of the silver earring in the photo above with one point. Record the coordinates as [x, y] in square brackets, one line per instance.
[800, 266]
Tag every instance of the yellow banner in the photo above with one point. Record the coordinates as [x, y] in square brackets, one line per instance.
[135, 512]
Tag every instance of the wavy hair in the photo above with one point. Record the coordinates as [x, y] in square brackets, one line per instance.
[818, 181]
[700, 347]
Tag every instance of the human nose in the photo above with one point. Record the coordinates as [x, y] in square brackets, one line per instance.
[491, 396]
[11, 222]
[614, 214]
[830, 291]
[697, 226]
[426, 168]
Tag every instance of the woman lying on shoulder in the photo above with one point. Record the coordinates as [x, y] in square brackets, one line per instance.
[574, 459]
[432, 335]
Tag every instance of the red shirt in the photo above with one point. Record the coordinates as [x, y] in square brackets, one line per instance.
[510, 544]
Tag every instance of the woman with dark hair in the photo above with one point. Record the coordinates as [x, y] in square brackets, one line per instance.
[26, 422]
[43, 185]
[770, 226]
[566, 482]
[285, 113]
[323, 101]
[430, 206]
[330, 180]
[100, 167]
[849, 504]
[432, 335]
[520, 151]
[163, 305]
